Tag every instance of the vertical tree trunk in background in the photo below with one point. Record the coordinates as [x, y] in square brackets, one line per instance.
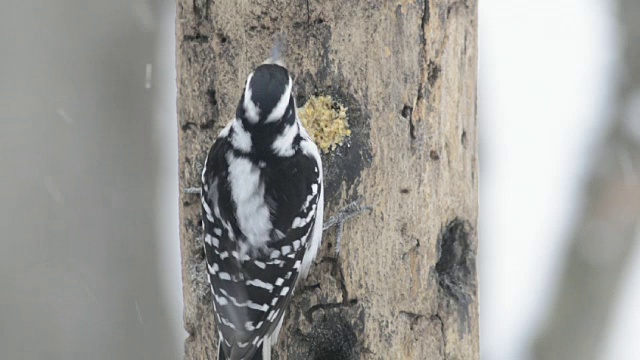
[404, 285]
[606, 233]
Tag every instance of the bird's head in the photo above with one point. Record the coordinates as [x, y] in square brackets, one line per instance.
[267, 96]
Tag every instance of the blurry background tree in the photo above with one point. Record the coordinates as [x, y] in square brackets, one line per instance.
[81, 151]
[606, 233]
[405, 283]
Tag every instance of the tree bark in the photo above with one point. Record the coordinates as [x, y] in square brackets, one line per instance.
[607, 231]
[404, 285]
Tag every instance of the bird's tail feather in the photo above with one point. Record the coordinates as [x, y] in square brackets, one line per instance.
[263, 352]
[221, 355]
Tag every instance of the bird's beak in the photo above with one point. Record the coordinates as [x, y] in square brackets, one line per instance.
[277, 53]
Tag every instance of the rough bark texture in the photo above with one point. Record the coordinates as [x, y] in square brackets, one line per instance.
[404, 285]
[607, 232]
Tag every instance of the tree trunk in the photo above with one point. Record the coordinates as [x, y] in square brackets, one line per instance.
[607, 231]
[404, 284]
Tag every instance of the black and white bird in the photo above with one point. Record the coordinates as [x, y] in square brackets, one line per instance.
[262, 213]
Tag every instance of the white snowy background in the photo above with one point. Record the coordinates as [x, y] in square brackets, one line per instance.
[71, 68]
[547, 72]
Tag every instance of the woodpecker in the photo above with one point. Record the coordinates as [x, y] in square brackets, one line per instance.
[262, 213]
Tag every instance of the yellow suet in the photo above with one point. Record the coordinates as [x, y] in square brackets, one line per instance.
[325, 121]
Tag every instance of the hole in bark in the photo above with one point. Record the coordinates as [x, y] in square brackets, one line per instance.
[433, 71]
[463, 138]
[453, 266]
[407, 113]
[333, 338]
[211, 94]
[223, 39]
[456, 266]
[197, 38]
[434, 155]
[404, 191]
